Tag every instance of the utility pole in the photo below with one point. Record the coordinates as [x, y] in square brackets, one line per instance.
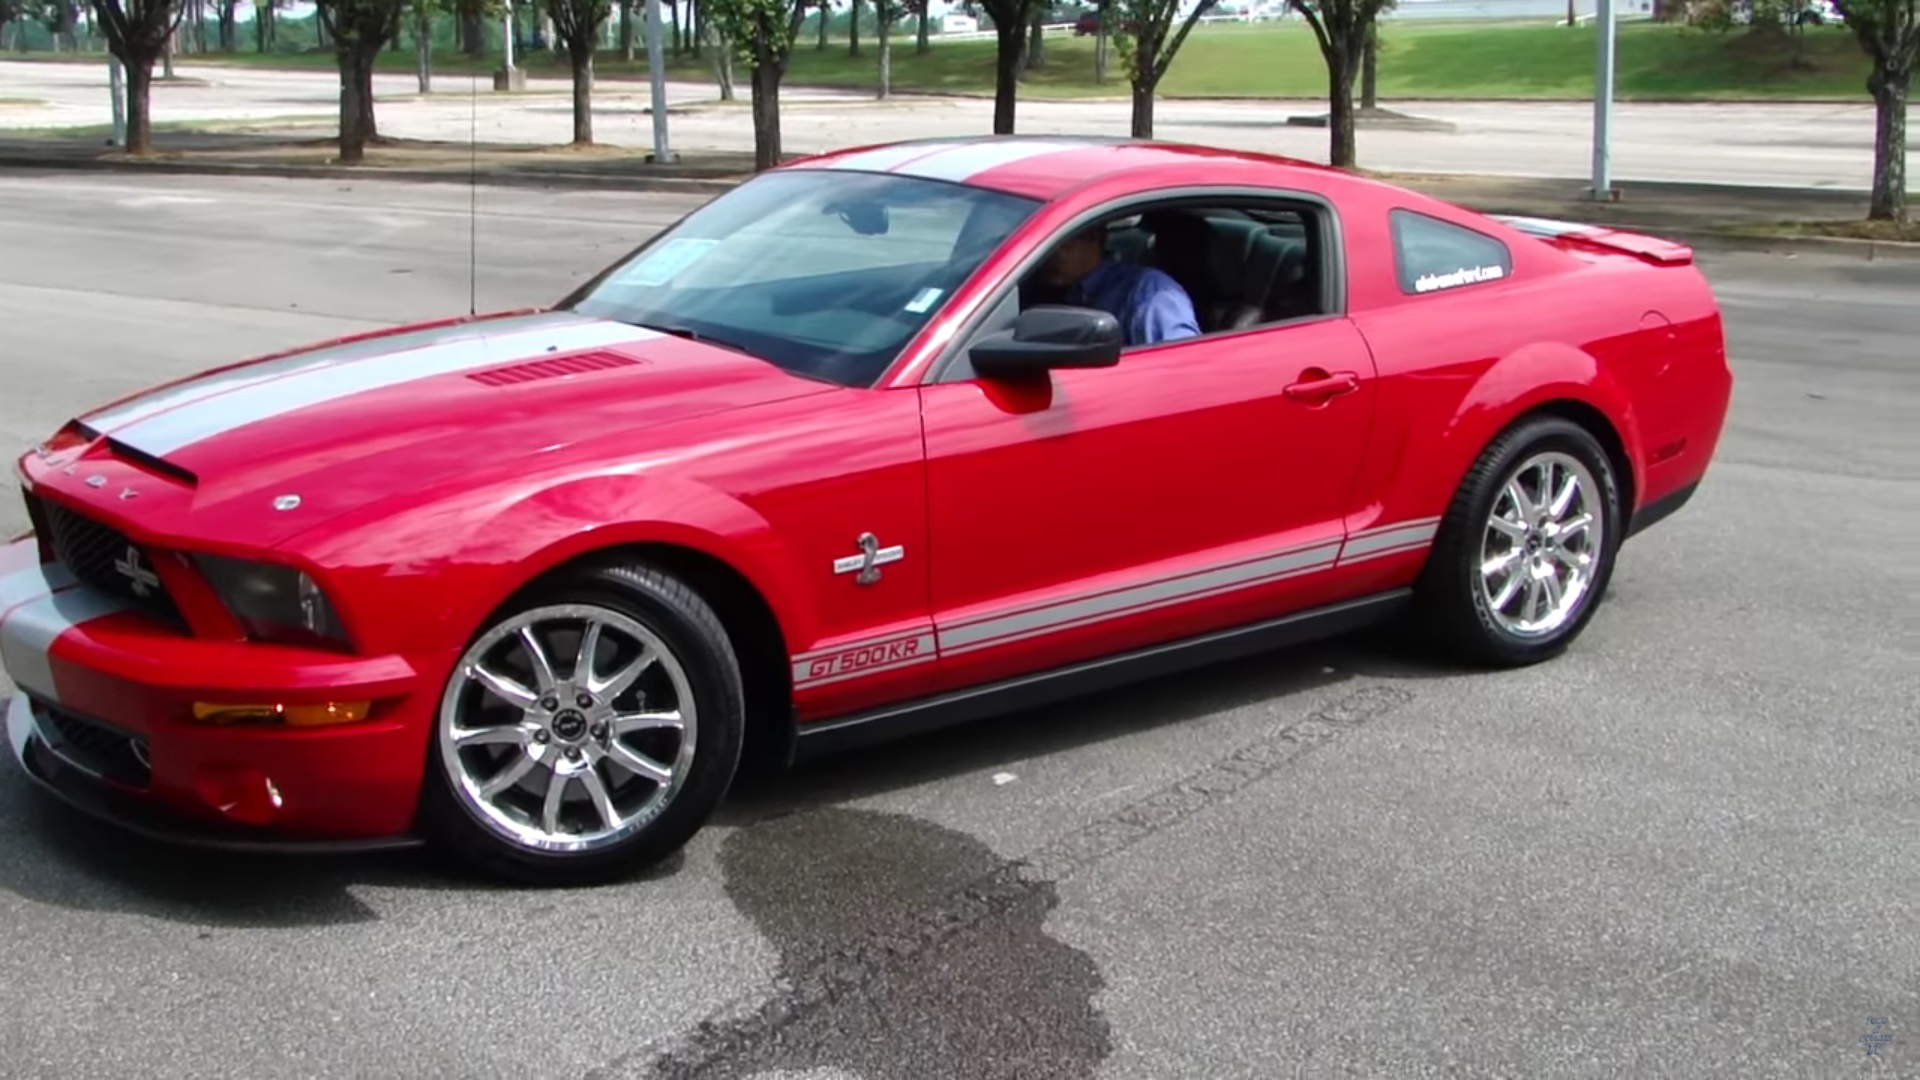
[657, 75]
[1603, 103]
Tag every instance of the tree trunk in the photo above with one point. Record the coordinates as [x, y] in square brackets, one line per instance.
[924, 43]
[766, 112]
[582, 91]
[139, 105]
[886, 48]
[626, 30]
[853, 28]
[356, 105]
[472, 40]
[1006, 76]
[826, 17]
[1889, 202]
[166, 59]
[229, 27]
[1369, 69]
[1340, 69]
[1142, 109]
[723, 66]
[1036, 57]
[423, 45]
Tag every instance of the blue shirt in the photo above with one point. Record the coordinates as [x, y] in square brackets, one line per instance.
[1151, 306]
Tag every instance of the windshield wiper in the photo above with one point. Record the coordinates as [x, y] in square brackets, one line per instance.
[691, 334]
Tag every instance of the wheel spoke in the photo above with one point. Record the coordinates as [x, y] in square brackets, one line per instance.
[1576, 527]
[503, 734]
[1501, 563]
[1550, 582]
[646, 721]
[542, 667]
[1531, 610]
[1576, 561]
[502, 687]
[589, 646]
[556, 794]
[1501, 599]
[507, 777]
[623, 680]
[639, 763]
[1522, 504]
[602, 799]
[1564, 496]
[1515, 530]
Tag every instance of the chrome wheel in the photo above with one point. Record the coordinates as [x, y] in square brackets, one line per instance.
[1542, 544]
[568, 728]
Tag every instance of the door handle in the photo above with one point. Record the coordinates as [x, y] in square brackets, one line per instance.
[1318, 385]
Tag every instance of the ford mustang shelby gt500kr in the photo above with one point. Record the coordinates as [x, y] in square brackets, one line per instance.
[831, 459]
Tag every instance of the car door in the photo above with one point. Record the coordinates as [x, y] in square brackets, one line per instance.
[1197, 484]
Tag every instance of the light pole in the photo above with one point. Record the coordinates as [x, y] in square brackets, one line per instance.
[1603, 103]
[509, 77]
[657, 75]
[118, 89]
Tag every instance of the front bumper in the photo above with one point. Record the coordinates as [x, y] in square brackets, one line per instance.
[64, 769]
[104, 718]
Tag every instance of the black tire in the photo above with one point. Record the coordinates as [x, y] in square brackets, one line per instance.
[1454, 608]
[676, 617]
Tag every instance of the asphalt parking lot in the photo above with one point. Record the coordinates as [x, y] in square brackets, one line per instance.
[1691, 847]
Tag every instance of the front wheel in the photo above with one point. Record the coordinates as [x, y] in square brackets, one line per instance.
[1527, 547]
[588, 731]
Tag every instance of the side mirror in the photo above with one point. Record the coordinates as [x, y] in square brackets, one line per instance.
[1048, 337]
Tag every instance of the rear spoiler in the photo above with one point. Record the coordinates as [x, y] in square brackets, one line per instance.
[1650, 248]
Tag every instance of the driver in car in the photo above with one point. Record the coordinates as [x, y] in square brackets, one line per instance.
[1150, 305]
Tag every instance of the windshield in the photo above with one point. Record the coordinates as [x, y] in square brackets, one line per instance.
[826, 274]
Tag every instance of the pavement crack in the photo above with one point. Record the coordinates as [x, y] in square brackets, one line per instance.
[859, 903]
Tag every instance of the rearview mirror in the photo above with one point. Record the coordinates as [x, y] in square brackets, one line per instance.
[1051, 336]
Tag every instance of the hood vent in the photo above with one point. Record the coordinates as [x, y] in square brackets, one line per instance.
[535, 370]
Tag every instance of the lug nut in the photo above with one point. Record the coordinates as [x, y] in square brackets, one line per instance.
[540, 737]
[585, 701]
[599, 731]
[573, 753]
[550, 703]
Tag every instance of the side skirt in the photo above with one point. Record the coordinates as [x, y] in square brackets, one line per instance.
[1077, 680]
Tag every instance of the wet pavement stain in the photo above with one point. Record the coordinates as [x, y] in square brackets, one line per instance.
[906, 950]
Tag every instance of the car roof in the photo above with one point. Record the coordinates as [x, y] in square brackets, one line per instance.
[1046, 166]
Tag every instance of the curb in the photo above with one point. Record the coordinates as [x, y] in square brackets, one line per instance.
[1704, 239]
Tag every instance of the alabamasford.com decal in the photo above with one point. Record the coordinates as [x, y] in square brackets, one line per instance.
[1467, 275]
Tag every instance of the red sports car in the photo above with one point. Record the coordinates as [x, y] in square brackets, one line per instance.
[826, 461]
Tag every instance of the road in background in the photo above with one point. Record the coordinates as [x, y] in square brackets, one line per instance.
[1788, 145]
[1687, 848]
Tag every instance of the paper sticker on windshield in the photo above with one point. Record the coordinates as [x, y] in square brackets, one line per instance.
[1465, 276]
[923, 300]
[664, 263]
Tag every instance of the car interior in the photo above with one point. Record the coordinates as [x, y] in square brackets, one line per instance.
[1241, 267]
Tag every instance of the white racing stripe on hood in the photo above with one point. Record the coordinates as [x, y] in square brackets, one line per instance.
[354, 370]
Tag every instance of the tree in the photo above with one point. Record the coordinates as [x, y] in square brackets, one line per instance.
[723, 49]
[919, 9]
[137, 33]
[577, 23]
[359, 29]
[1010, 19]
[763, 31]
[1342, 28]
[1144, 27]
[886, 15]
[1890, 34]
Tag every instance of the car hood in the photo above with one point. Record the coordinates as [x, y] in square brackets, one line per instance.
[259, 451]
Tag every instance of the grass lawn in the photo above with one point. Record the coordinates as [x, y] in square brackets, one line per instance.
[1509, 61]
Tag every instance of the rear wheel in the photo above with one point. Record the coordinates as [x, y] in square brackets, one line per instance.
[588, 731]
[1527, 547]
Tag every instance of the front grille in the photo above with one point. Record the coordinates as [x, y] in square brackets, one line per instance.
[104, 558]
[95, 747]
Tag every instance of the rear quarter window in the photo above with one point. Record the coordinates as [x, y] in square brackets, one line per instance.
[1432, 256]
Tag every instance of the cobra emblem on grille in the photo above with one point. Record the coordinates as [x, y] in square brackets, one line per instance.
[131, 567]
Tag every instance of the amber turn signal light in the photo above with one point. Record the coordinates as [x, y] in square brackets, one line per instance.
[333, 712]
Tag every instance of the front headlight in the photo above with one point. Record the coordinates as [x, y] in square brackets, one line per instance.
[274, 603]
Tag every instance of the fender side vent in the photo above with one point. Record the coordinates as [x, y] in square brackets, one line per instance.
[535, 370]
